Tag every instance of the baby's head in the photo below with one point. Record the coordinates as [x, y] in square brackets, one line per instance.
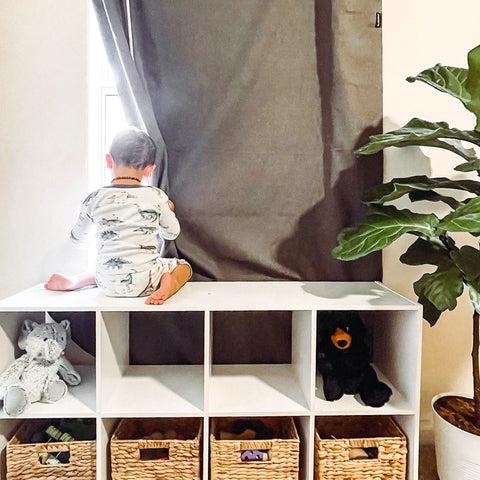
[132, 150]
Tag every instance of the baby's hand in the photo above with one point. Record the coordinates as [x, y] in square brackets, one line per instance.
[171, 205]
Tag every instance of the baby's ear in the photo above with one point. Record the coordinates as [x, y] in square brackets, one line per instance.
[28, 326]
[109, 160]
[66, 325]
[148, 170]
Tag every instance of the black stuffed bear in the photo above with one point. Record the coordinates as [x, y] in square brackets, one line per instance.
[344, 357]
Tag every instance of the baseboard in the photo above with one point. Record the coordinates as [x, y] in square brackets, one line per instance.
[426, 431]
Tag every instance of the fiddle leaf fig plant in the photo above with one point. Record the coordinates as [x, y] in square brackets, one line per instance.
[456, 267]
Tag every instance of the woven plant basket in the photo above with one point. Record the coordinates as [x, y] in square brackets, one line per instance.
[23, 459]
[181, 459]
[333, 455]
[283, 453]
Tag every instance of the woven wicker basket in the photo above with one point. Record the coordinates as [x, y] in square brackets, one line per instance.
[23, 459]
[182, 457]
[283, 453]
[333, 455]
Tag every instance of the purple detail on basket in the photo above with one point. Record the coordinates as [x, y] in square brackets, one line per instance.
[252, 456]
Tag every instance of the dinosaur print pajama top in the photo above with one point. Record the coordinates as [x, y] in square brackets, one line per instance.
[129, 220]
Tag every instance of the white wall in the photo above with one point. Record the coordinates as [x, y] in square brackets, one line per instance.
[43, 136]
[417, 35]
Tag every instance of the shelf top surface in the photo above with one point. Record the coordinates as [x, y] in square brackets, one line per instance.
[223, 296]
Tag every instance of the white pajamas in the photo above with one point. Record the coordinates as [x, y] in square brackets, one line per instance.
[128, 220]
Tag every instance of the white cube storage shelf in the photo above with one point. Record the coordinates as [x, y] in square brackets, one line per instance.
[113, 388]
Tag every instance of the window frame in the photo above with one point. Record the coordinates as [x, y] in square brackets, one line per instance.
[101, 88]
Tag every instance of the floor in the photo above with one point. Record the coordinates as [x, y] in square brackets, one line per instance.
[427, 463]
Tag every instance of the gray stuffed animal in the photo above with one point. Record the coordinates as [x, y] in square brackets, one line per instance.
[37, 375]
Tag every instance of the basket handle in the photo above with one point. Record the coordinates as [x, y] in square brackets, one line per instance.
[365, 451]
[156, 452]
[44, 450]
[259, 445]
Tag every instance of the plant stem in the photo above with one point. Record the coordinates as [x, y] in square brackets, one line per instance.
[476, 366]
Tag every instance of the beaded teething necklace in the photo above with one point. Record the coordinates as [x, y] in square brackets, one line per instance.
[126, 178]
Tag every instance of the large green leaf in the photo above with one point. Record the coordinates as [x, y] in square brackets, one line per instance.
[451, 80]
[437, 291]
[461, 83]
[431, 196]
[423, 252]
[399, 187]
[382, 226]
[473, 83]
[442, 287]
[418, 132]
[466, 218]
[467, 260]
[472, 166]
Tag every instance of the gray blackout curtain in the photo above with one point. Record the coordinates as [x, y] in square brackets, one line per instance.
[256, 107]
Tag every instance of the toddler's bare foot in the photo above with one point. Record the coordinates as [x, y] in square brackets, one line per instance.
[168, 287]
[64, 283]
[170, 284]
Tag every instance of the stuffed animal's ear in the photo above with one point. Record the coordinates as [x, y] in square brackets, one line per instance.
[28, 326]
[326, 325]
[358, 325]
[66, 325]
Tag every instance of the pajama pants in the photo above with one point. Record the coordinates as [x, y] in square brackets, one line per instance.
[136, 284]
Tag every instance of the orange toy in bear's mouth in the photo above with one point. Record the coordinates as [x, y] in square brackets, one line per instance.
[341, 339]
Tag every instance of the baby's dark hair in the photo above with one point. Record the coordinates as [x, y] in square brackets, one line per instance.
[132, 147]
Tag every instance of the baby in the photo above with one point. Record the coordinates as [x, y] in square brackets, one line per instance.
[128, 218]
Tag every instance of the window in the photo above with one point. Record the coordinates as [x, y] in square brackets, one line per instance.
[106, 115]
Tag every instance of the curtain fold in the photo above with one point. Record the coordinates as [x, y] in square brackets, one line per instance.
[136, 101]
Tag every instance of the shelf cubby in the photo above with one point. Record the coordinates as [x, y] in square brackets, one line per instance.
[261, 387]
[304, 425]
[80, 400]
[132, 389]
[395, 340]
[10, 426]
